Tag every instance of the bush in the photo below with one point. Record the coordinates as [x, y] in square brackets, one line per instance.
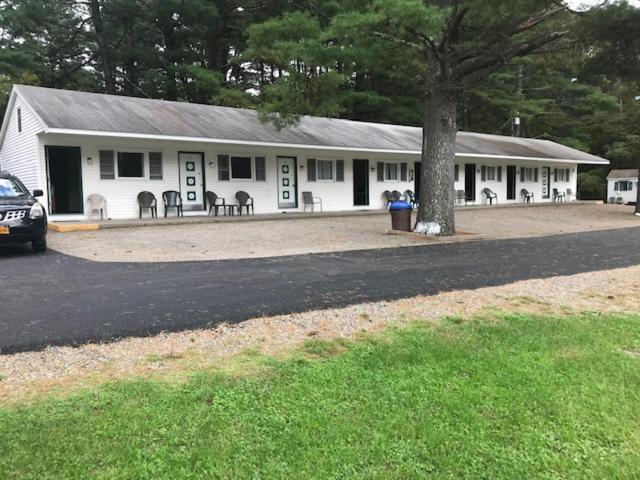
[592, 185]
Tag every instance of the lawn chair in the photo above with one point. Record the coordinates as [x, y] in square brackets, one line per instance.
[570, 194]
[244, 200]
[310, 201]
[461, 197]
[147, 201]
[410, 197]
[215, 202]
[97, 204]
[391, 197]
[172, 199]
[490, 195]
[527, 196]
[558, 196]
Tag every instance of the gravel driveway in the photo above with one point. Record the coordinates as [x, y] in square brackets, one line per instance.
[215, 241]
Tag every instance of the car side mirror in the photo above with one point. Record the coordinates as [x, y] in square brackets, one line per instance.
[38, 193]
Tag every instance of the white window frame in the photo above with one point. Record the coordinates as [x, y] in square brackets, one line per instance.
[252, 162]
[529, 175]
[561, 174]
[145, 163]
[491, 173]
[397, 165]
[331, 162]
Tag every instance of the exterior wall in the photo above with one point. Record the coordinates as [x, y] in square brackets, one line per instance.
[19, 150]
[500, 187]
[627, 196]
[121, 193]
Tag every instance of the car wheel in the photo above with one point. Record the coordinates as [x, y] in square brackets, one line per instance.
[40, 246]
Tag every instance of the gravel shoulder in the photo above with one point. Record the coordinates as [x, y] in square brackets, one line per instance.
[59, 371]
[257, 239]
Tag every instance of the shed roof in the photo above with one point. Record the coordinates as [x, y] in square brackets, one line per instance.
[93, 113]
[623, 173]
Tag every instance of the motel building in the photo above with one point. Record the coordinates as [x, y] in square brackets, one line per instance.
[73, 144]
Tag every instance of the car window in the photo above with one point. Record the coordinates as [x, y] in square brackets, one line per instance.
[10, 188]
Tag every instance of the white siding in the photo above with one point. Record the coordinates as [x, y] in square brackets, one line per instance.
[19, 150]
[628, 195]
[121, 193]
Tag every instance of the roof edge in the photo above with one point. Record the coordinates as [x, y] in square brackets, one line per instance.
[174, 138]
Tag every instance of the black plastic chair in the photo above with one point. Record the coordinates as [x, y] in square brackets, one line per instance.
[527, 196]
[147, 201]
[215, 202]
[244, 200]
[490, 195]
[308, 200]
[558, 196]
[172, 199]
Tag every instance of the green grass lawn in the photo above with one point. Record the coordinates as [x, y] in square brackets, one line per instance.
[503, 397]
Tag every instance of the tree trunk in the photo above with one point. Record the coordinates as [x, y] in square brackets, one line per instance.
[435, 213]
[98, 27]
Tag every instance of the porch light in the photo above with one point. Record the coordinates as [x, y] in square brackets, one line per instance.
[211, 165]
[89, 160]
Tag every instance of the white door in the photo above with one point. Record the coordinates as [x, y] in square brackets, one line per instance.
[191, 182]
[287, 192]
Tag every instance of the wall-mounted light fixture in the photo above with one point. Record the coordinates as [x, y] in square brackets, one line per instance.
[89, 161]
[373, 169]
[211, 165]
[302, 166]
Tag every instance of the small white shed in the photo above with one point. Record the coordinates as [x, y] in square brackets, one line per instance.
[622, 186]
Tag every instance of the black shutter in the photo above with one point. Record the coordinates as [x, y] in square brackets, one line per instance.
[223, 168]
[499, 174]
[566, 175]
[535, 176]
[555, 174]
[155, 166]
[107, 169]
[483, 173]
[261, 169]
[456, 172]
[339, 170]
[311, 169]
[403, 172]
[380, 168]
[522, 174]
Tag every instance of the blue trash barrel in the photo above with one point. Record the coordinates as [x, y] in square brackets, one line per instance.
[400, 216]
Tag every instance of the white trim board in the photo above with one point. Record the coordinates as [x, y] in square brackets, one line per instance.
[175, 138]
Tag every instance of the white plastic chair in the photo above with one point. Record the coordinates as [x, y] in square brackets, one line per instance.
[96, 204]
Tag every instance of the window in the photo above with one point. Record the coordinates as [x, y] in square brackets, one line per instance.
[19, 115]
[624, 186]
[528, 174]
[391, 171]
[107, 168]
[130, 164]
[325, 170]
[491, 173]
[261, 169]
[241, 168]
[155, 166]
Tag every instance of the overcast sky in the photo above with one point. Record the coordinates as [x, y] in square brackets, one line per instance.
[588, 3]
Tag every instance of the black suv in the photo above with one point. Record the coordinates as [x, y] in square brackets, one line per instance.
[22, 218]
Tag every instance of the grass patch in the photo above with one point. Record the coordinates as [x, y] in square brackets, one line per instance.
[520, 397]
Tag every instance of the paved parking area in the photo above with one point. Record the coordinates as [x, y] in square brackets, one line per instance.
[214, 241]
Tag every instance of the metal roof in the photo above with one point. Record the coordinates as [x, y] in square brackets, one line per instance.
[623, 173]
[112, 114]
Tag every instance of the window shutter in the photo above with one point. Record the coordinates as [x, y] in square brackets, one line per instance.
[380, 169]
[403, 172]
[261, 169]
[522, 174]
[155, 166]
[223, 168]
[456, 172]
[311, 169]
[107, 170]
[566, 175]
[483, 173]
[555, 174]
[616, 185]
[535, 174]
[499, 174]
[339, 170]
